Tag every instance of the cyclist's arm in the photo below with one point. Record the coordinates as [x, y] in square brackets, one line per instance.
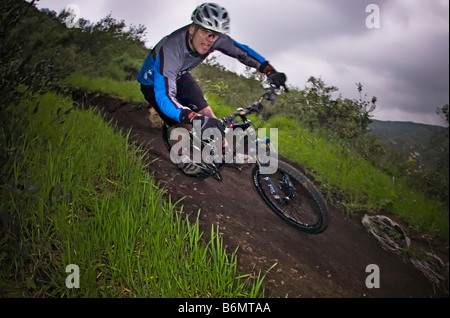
[165, 70]
[241, 52]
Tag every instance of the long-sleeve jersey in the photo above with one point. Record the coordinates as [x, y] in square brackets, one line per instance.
[172, 57]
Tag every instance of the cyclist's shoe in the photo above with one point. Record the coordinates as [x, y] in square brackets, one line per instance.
[188, 167]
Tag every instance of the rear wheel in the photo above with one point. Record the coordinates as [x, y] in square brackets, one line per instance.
[293, 197]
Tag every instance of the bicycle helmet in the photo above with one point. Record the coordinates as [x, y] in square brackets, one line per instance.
[212, 17]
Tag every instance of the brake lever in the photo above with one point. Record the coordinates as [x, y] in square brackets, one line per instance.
[269, 94]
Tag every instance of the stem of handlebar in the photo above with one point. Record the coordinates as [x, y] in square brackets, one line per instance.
[269, 94]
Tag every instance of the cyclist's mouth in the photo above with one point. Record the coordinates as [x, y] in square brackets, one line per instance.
[206, 46]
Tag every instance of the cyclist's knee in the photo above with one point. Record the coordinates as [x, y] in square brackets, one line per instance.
[207, 111]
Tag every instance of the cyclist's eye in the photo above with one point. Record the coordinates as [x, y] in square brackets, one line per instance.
[210, 34]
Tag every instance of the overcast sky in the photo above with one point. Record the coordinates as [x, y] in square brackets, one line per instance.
[398, 49]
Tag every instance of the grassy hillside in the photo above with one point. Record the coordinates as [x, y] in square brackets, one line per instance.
[423, 141]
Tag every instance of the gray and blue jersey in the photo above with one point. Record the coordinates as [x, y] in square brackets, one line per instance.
[172, 57]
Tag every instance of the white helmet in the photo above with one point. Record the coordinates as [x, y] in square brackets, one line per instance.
[212, 17]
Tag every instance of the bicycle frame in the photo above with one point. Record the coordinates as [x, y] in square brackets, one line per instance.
[206, 150]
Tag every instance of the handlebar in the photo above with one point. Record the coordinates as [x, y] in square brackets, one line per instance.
[256, 107]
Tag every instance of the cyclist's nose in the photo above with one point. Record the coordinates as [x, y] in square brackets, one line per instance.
[211, 38]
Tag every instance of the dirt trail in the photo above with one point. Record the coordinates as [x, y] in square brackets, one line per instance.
[330, 264]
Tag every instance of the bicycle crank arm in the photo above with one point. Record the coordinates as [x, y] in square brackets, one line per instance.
[215, 173]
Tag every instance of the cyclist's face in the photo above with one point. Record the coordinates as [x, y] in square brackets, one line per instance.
[202, 39]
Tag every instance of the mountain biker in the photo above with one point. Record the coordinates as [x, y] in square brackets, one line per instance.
[165, 76]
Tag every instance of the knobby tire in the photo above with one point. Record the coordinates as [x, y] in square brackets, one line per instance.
[306, 210]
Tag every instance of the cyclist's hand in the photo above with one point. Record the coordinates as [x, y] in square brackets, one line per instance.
[208, 122]
[276, 78]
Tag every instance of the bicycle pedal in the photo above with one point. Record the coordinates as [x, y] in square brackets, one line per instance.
[235, 166]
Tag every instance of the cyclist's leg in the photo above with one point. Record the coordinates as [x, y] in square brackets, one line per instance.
[207, 111]
[149, 94]
[190, 93]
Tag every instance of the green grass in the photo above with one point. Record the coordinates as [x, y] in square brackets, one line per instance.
[77, 192]
[126, 90]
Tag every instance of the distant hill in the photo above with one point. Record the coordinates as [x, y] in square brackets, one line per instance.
[429, 141]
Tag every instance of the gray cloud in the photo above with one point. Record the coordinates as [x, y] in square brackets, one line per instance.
[404, 62]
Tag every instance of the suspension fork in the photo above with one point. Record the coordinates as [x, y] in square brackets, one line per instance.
[273, 189]
[287, 187]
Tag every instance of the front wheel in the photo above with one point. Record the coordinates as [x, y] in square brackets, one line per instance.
[293, 197]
